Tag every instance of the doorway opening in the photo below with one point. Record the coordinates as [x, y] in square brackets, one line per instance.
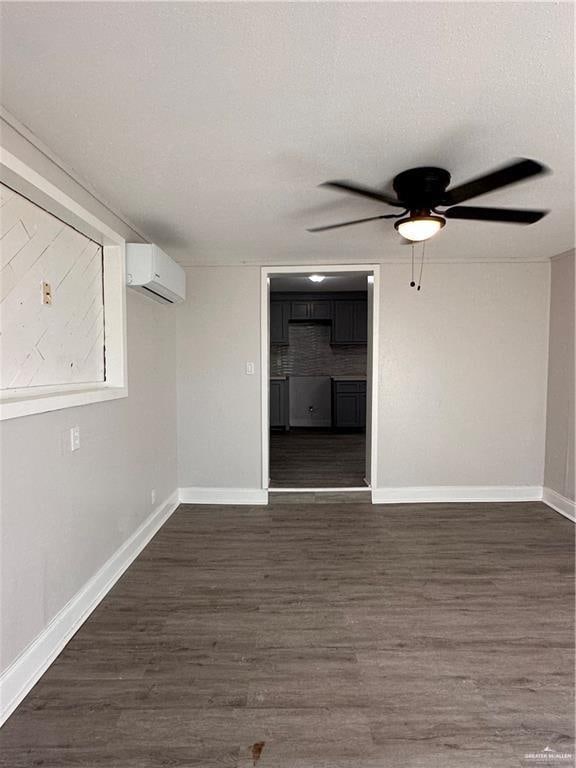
[319, 372]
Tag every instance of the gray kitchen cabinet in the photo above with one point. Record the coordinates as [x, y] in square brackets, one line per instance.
[279, 319]
[299, 310]
[349, 322]
[311, 309]
[346, 312]
[279, 403]
[349, 399]
[320, 310]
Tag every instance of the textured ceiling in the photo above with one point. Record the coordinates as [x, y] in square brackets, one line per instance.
[346, 281]
[209, 125]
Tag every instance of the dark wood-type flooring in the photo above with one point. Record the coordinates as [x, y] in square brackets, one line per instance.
[317, 459]
[320, 635]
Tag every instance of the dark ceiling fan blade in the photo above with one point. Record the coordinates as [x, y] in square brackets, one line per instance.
[356, 221]
[510, 174]
[358, 189]
[506, 215]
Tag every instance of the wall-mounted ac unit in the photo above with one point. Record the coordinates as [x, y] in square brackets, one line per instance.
[151, 272]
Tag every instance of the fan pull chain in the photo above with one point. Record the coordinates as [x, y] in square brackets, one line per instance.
[421, 265]
[412, 283]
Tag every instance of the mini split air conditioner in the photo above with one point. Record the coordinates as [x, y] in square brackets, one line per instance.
[151, 272]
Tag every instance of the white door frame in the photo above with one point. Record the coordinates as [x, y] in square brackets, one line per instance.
[307, 269]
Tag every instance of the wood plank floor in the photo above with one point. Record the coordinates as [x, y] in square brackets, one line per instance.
[317, 459]
[323, 635]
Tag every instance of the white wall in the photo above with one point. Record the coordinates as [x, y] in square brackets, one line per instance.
[219, 430]
[559, 473]
[63, 514]
[462, 376]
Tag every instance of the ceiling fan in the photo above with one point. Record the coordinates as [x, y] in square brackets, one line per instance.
[420, 191]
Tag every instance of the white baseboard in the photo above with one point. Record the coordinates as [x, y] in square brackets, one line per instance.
[560, 503]
[26, 670]
[251, 496]
[456, 494]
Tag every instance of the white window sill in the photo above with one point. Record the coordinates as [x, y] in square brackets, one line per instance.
[16, 404]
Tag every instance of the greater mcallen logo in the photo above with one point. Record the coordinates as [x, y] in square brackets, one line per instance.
[549, 755]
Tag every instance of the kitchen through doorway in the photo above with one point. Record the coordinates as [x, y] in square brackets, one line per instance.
[319, 379]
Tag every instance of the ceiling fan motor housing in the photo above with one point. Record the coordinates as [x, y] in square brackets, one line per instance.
[421, 189]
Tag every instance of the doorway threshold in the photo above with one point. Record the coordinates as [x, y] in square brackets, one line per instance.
[323, 496]
[338, 489]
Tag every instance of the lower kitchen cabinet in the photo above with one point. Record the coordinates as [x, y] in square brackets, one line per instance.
[349, 404]
[279, 403]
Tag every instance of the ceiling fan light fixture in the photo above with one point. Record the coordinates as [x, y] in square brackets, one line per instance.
[418, 228]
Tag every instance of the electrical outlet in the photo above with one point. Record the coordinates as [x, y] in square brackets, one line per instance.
[153, 496]
[249, 369]
[74, 438]
[46, 293]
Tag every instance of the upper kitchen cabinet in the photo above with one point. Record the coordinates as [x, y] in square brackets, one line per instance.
[347, 313]
[350, 322]
[279, 319]
[311, 309]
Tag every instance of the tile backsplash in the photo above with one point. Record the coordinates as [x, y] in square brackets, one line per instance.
[309, 353]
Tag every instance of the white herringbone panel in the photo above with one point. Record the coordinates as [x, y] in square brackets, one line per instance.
[61, 343]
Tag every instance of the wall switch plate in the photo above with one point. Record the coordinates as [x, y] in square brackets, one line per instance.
[249, 369]
[74, 438]
[153, 496]
[46, 293]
